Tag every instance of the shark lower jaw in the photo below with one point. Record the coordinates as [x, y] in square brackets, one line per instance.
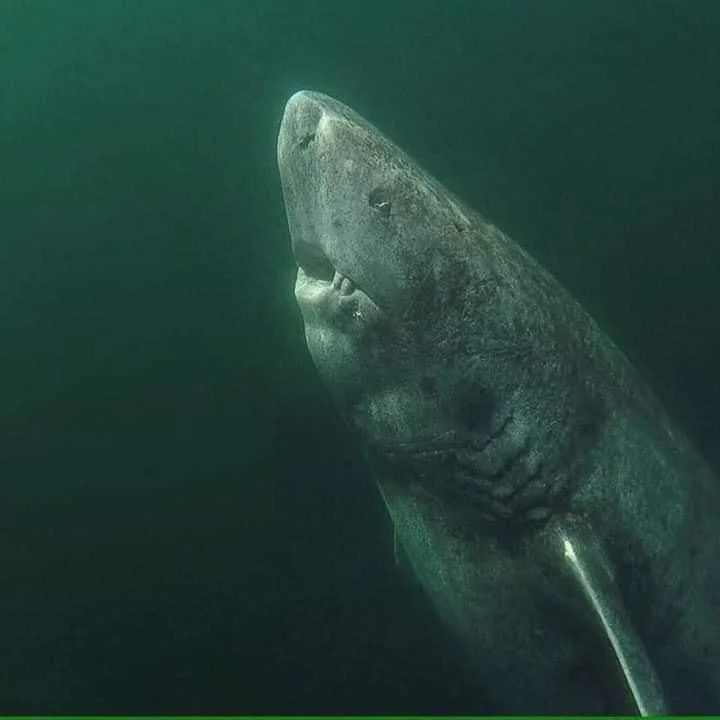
[333, 298]
[317, 271]
[340, 321]
[325, 292]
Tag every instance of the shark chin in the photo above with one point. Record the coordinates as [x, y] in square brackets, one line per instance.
[563, 527]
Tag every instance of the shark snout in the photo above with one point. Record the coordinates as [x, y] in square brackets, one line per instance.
[305, 127]
[325, 163]
[298, 130]
[300, 176]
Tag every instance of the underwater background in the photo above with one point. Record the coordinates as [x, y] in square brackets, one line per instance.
[184, 525]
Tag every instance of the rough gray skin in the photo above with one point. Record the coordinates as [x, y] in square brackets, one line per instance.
[493, 411]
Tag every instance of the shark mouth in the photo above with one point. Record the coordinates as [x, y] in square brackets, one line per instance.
[323, 291]
[344, 285]
[316, 266]
[313, 261]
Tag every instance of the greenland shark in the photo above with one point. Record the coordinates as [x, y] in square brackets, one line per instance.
[565, 530]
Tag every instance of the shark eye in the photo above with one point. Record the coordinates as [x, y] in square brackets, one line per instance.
[379, 199]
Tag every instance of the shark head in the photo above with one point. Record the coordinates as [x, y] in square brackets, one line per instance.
[428, 325]
[367, 227]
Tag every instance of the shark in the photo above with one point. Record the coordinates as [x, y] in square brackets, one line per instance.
[563, 527]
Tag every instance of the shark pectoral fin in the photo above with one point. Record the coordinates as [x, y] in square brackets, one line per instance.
[396, 534]
[584, 560]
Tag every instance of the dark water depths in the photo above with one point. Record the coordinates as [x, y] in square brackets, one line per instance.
[184, 527]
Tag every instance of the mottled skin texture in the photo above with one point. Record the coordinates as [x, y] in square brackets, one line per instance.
[492, 410]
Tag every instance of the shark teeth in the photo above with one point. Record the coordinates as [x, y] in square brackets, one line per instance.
[342, 284]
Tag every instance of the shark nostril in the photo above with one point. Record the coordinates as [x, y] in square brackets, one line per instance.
[306, 140]
[313, 261]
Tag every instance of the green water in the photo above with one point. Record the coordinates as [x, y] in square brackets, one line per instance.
[184, 526]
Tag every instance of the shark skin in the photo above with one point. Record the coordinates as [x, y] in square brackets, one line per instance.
[565, 530]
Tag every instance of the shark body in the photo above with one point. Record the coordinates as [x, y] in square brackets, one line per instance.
[565, 530]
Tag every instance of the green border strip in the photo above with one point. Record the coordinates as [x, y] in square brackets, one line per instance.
[330, 717]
